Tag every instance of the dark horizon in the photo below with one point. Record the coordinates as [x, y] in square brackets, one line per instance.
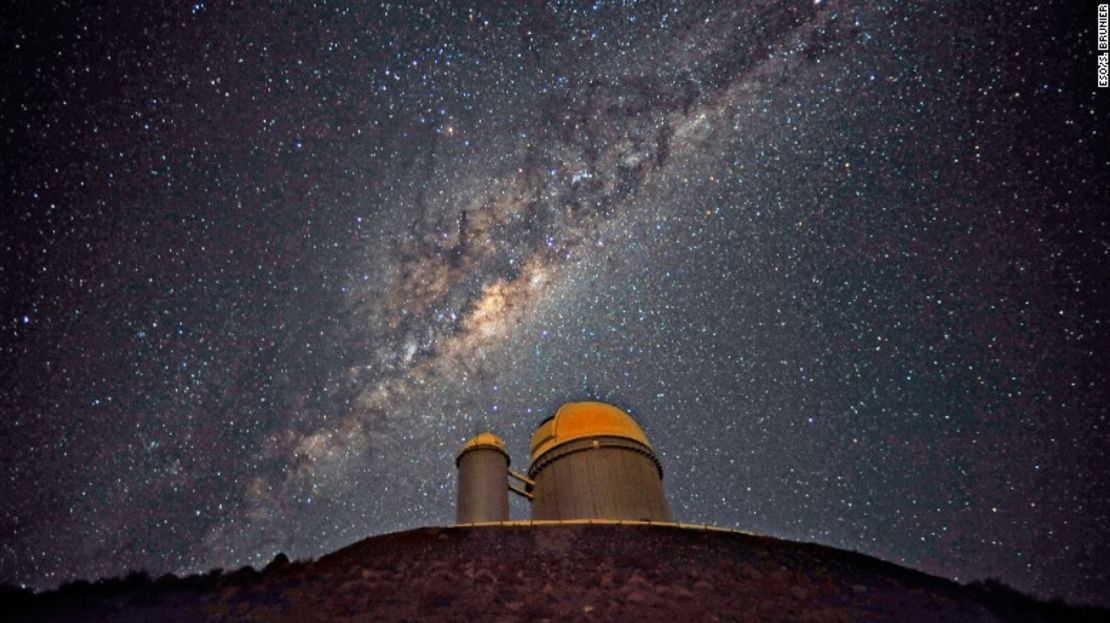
[388, 578]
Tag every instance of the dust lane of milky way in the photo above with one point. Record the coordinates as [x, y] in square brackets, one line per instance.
[265, 269]
[459, 288]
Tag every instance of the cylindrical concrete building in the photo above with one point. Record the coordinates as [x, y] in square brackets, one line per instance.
[483, 465]
[592, 461]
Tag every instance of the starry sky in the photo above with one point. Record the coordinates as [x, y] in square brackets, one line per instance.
[264, 267]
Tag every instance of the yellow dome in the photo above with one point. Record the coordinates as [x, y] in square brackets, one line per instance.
[484, 441]
[578, 420]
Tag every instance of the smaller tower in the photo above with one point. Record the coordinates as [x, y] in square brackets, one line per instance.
[483, 465]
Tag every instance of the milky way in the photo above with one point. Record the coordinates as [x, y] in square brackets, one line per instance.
[265, 269]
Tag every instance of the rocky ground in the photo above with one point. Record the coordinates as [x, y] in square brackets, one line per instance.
[537, 573]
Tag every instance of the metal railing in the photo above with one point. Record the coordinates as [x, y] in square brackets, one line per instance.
[603, 522]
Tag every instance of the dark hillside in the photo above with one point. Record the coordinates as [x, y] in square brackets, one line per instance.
[553, 572]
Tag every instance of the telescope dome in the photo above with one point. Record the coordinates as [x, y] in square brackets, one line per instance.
[483, 441]
[579, 420]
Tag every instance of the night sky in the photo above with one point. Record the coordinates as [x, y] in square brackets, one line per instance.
[264, 267]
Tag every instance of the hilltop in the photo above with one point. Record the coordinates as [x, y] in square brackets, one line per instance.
[552, 572]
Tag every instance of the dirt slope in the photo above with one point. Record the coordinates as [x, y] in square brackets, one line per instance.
[533, 573]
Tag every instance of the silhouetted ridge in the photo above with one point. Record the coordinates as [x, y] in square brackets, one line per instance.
[552, 572]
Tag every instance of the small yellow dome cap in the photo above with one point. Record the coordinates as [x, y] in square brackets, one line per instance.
[487, 441]
[578, 420]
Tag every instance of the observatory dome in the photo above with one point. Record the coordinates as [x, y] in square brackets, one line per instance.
[483, 463]
[589, 461]
[483, 441]
[579, 420]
